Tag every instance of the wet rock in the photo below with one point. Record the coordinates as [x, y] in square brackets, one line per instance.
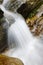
[3, 38]
[24, 9]
[28, 7]
[1, 13]
[3, 35]
[13, 5]
[35, 25]
[5, 60]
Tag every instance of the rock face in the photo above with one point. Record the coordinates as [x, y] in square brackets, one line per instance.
[27, 7]
[24, 9]
[1, 13]
[35, 25]
[4, 60]
[3, 39]
[1, 1]
[3, 36]
[13, 5]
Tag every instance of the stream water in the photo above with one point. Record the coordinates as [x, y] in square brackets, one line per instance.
[22, 44]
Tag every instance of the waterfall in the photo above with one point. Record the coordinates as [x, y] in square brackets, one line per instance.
[20, 40]
[18, 31]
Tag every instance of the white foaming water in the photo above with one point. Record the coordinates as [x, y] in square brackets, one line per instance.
[4, 2]
[23, 45]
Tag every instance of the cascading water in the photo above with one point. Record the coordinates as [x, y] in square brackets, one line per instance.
[21, 42]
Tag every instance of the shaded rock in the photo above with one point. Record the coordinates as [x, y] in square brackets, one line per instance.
[1, 13]
[3, 33]
[26, 8]
[1, 1]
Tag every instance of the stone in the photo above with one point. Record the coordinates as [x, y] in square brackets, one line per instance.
[5, 60]
[1, 1]
[3, 34]
[1, 13]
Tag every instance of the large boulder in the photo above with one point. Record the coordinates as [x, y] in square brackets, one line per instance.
[5, 60]
[27, 7]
